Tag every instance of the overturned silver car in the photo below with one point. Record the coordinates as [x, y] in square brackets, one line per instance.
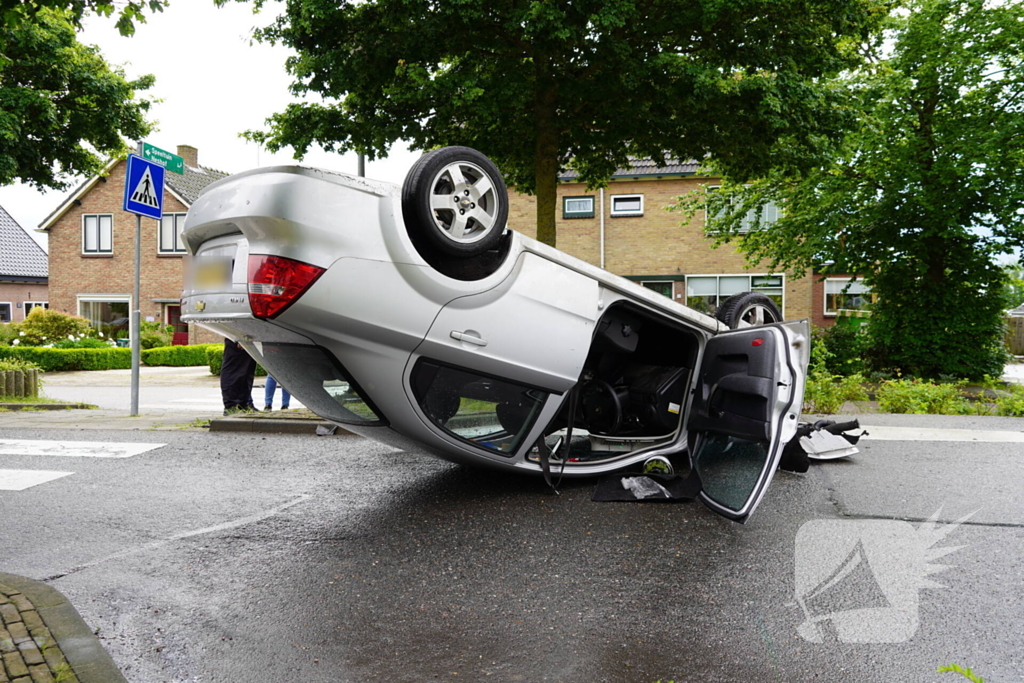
[412, 316]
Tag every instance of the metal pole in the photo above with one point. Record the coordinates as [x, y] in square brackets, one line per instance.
[135, 322]
[361, 172]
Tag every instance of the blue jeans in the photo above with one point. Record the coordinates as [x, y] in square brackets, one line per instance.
[269, 394]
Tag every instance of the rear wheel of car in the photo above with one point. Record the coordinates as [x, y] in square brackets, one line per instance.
[748, 309]
[454, 200]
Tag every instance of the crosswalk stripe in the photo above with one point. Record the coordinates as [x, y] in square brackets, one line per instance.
[80, 449]
[19, 480]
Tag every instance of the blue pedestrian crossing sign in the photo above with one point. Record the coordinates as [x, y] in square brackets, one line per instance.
[144, 188]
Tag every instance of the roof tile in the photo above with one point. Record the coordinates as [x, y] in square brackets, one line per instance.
[19, 253]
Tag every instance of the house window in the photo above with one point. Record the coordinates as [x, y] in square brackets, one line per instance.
[769, 214]
[97, 237]
[29, 305]
[170, 233]
[578, 207]
[107, 314]
[5, 311]
[706, 292]
[627, 205]
[846, 294]
[663, 287]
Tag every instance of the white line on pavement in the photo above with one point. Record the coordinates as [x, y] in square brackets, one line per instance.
[19, 480]
[878, 433]
[80, 449]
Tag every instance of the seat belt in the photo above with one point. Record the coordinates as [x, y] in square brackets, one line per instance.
[545, 453]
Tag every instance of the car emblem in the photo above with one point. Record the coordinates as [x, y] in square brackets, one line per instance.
[200, 305]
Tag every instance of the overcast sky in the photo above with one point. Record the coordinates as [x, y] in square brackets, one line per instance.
[213, 84]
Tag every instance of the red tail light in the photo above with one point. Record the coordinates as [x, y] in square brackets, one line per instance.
[275, 283]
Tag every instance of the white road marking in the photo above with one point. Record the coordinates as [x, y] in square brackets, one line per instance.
[80, 449]
[877, 433]
[19, 480]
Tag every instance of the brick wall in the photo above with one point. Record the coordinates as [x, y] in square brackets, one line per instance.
[658, 243]
[15, 294]
[72, 273]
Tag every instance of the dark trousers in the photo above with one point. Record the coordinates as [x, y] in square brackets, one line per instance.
[237, 372]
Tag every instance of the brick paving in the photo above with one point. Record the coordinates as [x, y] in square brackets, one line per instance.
[28, 651]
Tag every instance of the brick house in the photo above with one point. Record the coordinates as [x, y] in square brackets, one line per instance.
[626, 229]
[23, 273]
[92, 250]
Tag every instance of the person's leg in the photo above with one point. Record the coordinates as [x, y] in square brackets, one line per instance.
[268, 393]
[233, 380]
[286, 398]
[250, 370]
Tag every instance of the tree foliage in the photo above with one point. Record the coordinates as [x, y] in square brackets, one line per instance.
[543, 86]
[925, 195]
[15, 12]
[63, 109]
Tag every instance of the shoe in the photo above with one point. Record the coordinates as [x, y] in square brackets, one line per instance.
[267, 408]
[233, 410]
[284, 407]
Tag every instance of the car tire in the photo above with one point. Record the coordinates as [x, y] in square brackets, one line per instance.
[454, 201]
[748, 309]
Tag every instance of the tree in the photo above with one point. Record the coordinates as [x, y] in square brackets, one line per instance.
[925, 195]
[63, 109]
[14, 12]
[544, 86]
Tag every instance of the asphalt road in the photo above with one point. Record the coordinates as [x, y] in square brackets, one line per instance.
[224, 557]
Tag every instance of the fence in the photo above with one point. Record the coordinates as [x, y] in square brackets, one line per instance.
[1015, 334]
[19, 383]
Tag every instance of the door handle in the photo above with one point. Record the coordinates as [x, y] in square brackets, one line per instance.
[469, 336]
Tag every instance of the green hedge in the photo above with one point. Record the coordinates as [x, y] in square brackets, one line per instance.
[177, 355]
[215, 357]
[58, 360]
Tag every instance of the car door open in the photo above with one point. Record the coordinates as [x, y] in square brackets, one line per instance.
[745, 409]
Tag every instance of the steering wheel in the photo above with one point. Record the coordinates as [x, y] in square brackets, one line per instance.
[602, 407]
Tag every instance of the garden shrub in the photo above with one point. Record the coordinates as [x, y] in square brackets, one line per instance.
[152, 340]
[846, 347]
[58, 360]
[825, 392]
[215, 358]
[912, 395]
[16, 364]
[82, 343]
[181, 356]
[43, 326]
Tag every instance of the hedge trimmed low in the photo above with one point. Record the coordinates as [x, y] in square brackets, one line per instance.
[180, 356]
[215, 357]
[62, 360]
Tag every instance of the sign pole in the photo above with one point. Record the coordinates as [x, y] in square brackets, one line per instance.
[136, 318]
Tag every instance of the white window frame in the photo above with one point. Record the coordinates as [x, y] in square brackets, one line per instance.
[748, 221]
[99, 233]
[627, 212]
[750, 280]
[843, 282]
[178, 224]
[566, 213]
[10, 311]
[104, 298]
[671, 286]
[27, 306]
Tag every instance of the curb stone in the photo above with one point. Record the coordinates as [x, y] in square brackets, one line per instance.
[265, 425]
[45, 406]
[43, 633]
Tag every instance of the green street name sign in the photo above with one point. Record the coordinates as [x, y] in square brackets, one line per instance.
[172, 162]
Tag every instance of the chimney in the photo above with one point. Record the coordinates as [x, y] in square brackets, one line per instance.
[190, 154]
